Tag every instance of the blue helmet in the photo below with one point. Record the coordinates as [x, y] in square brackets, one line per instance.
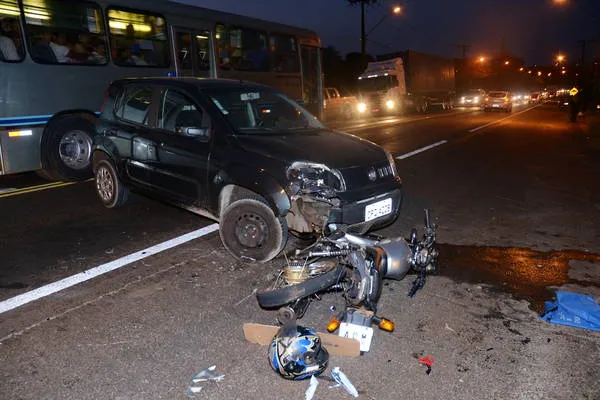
[296, 353]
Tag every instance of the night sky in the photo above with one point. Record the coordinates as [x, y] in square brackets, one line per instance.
[533, 29]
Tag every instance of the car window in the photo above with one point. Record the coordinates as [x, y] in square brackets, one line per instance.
[178, 112]
[136, 105]
[258, 109]
[497, 94]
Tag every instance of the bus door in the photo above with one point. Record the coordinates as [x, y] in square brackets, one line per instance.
[193, 51]
[312, 85]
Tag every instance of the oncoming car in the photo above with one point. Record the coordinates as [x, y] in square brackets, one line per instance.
[498, 100]
[471, 98]
[244, 155]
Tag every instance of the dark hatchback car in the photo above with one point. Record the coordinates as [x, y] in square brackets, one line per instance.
[242, 154]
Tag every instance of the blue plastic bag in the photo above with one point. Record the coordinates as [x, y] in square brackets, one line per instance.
[574, 309]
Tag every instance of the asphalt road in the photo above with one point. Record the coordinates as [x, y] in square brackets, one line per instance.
[517, 204]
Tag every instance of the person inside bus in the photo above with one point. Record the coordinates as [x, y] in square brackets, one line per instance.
[83, 49]
[8, 50]
[57, 43]
[133, 56]
[98, 54]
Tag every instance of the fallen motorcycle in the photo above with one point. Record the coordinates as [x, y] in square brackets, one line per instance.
[352, 264]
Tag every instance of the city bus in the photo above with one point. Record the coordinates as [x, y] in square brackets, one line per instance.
[58, 56]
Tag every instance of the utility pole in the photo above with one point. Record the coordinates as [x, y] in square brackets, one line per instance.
[462, 76]
[363, 31]
[465, 48]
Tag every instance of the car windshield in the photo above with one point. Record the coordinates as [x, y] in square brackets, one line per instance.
[259, 110]
[497, 94]
[472, 93]
[377, 83]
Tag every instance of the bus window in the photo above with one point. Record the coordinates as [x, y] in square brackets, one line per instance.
[242, 49]
[223, 47]
[249, 50]
[138, 39]
[61, 32]
[11, 41]
[284, 50]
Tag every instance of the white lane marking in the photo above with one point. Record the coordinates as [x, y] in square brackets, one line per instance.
[73, 280]
[500, 120]
[393, 122]
[422, 149]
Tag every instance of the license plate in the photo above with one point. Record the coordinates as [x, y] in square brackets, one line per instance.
[364, 334]
[378, 209]
[496, 105]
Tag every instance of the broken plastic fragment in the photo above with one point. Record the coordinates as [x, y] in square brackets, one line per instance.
[192, 390]
[428, 362]
[343, 381]
[207, 375]
[312, 388]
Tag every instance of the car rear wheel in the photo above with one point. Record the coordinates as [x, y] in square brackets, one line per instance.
[110, 189]
[250, 230]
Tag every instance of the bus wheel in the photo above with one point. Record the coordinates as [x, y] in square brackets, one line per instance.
[66, 149]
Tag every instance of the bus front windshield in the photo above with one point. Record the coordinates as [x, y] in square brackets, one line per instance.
[376, 84]
[258, 110]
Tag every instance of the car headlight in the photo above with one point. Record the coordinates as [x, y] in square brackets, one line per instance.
[361, 107]
[310, 177]
[476, 100]
[390, 104]
[392, 162]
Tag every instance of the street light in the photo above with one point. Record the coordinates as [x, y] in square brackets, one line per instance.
[395, 11]
[481, 59]
[560, 58]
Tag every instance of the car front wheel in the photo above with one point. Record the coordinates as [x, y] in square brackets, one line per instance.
[250, 230]
[110, 189]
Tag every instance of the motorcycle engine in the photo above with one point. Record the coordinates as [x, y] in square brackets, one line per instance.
[298, 270]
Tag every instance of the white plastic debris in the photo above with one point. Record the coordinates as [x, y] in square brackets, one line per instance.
[207, 375]
[203, 376]
[312, 388]
[343, 381]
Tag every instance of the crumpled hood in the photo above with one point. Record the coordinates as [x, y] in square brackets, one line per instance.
[334, 149]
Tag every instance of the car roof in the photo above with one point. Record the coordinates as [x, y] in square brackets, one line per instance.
[200, 83]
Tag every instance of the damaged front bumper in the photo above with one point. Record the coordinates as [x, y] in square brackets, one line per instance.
[311, 213]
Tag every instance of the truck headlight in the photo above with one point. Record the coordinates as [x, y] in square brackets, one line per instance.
[361, 107]
[312, 177]
[390, 104]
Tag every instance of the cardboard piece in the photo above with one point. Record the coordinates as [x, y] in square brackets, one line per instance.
[339, 346]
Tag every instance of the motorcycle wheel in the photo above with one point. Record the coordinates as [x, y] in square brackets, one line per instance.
[280, 296]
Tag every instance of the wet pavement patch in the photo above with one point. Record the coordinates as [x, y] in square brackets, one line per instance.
[527, 274]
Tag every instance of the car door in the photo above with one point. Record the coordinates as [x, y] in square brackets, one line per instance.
[182, 135]
[133, 135]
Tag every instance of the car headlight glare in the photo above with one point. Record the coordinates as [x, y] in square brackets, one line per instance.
[362, 107]
[390, 104]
